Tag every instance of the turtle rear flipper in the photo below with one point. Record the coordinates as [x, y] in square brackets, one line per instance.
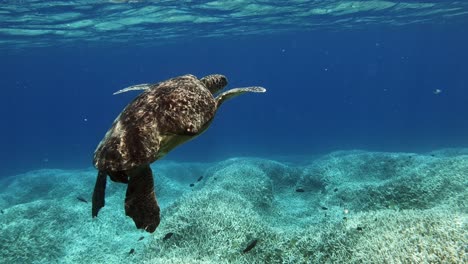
[99, 192]
[140, 200]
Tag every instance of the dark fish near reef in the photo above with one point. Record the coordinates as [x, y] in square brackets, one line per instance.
[131, 251]
[167, 236]
[324, 208]
[200, 178]
[335, 190]
[191, 185]
[81, 199]
[299, 190]
[250, 246]
[141, 238]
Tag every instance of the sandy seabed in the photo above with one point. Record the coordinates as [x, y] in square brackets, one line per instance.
[343, 207]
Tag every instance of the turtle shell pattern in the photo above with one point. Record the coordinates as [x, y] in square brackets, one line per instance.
[180, 106]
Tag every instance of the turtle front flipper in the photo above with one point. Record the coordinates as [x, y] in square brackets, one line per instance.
[144, 86]
[99, 192]
[140, 200]
[237, 91]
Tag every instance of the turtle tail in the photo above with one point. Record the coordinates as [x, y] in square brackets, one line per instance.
[99, 192]
[140, 201]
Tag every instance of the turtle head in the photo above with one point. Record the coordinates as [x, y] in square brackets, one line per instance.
[214, 82]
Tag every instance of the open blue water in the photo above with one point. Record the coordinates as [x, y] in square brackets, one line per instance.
[352, 84]
[387, 78]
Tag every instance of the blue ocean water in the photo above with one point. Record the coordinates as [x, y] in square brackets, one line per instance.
[358, 147]
[372, 88]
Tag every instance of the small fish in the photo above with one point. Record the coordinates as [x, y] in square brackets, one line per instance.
[250, 246]
[131, 251]
[437, 91]
[359, 228]
[1, 211]
[335, 190]
[191, 185]
[141, 238]
[200, 178]
[324, 208]
[299, 190]
[81, 199]
[167, 236]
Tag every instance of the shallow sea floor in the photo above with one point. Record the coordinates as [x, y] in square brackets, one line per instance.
[343, 207]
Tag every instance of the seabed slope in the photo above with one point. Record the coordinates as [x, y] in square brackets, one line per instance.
[356, 207]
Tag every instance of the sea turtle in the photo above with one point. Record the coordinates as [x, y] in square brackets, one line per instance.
[163, 116]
